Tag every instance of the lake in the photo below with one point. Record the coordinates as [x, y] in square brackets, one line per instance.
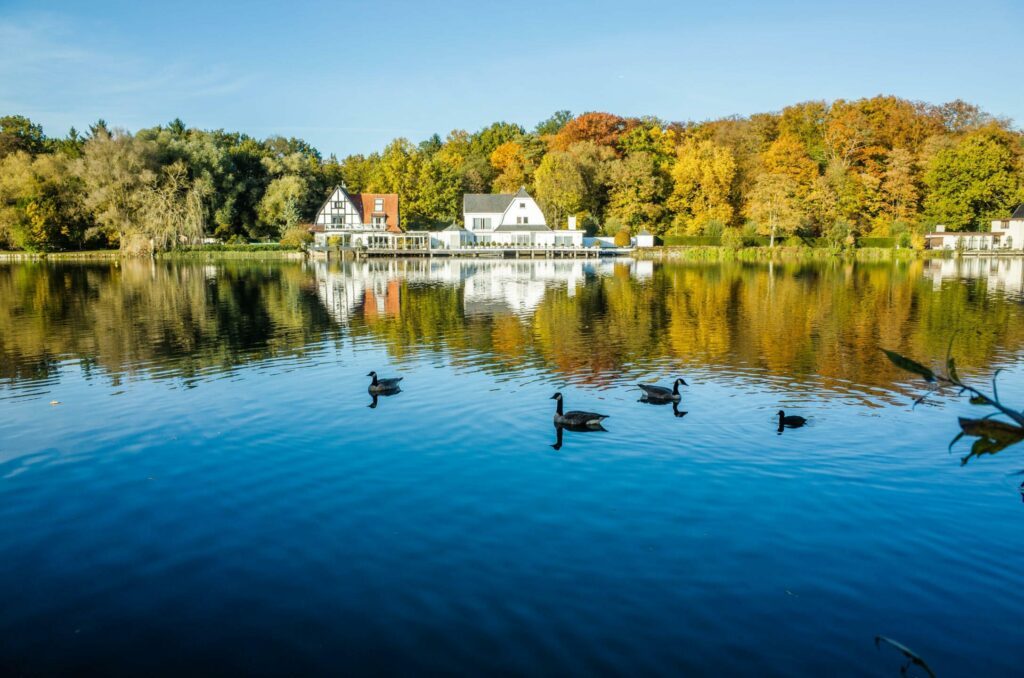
[193, 480]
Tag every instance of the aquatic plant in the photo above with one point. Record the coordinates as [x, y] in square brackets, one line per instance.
[993, 435]
[913, 659]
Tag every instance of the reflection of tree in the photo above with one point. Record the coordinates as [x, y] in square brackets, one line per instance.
[824, 321]
[165, 318]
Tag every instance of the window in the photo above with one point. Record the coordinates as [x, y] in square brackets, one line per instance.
[380, 222]
[481, 224]
[338, 204]
[378, 204]
[522, 220]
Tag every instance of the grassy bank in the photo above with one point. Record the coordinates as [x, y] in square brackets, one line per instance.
[85, 255]
[205, 253]
[786, 253]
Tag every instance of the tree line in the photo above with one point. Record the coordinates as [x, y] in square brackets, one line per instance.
[882, 166]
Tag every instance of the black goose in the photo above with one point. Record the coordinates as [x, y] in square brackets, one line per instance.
[660, 394]
[575, 418]
[383, 385]
[792, 421]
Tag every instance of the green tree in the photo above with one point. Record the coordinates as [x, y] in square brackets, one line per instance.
[636, 193]
[18, 133]
[977, 179]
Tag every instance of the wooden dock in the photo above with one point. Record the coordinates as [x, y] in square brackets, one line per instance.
[480, 252]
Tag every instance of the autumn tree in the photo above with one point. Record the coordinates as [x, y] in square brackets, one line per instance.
[702, 184]
[603, 129]
[513, 167]
[773, 206]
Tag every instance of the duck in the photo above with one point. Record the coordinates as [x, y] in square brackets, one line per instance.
[383, 385]
[791, 421]
[660, 394]
[576, 418]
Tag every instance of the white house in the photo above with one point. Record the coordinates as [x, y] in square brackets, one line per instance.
[1006, 234]
[507, 219]
[369, 220]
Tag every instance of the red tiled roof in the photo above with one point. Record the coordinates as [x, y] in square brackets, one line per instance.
[365, 203]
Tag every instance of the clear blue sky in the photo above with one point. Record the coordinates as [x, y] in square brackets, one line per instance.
[348, 77]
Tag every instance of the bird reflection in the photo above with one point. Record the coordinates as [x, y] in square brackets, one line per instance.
[386, 394]
[675, 405]
[577, 429]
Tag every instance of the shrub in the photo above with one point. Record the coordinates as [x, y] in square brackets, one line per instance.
[296, 237]
[622, 238]
[732, 238]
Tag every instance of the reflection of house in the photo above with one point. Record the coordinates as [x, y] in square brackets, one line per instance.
[1005, 274]
[1006, 234]
[506, 219]
[363, 220]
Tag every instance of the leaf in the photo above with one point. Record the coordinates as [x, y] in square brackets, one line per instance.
[992, 436]
[909, 365]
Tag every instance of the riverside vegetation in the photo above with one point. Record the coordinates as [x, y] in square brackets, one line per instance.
[843, 172]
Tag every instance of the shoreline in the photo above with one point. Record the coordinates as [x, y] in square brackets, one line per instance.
[662, 253]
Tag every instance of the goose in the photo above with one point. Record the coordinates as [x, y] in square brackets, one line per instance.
[661, 394]
[575, 417]
[792, 421]
[383, 385]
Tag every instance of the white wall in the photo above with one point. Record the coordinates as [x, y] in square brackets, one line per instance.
[347, 211]
[495, 218]
[523, 207]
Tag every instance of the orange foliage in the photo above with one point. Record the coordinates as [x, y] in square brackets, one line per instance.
[602, 128]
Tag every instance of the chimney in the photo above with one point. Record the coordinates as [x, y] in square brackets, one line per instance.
[572, 223]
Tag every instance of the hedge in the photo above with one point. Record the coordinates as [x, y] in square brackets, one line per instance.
[876, 242]
[240, 247]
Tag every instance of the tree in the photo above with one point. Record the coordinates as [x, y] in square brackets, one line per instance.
[636, 192]
[18, 133]
[604, 129]
[554, 124]
[172, 208]
[279, 207]
[115, 169]
[977, 179]
[772, 205]
[573, 182]
[41, 203]
[702, 184]
[513, 167]
[899, 186]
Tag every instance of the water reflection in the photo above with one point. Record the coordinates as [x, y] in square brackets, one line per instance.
[560, 430]
[814, 326]
[1002, 275]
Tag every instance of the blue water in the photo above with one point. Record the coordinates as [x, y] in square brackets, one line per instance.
[210, 493]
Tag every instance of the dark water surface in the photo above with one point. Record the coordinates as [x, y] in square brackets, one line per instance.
[213, 494]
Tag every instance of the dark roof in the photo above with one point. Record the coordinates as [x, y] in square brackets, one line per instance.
[1018, 213]
[644, 231]
[521, 227]
[486, 202]
[522, 192]
[455, 227]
